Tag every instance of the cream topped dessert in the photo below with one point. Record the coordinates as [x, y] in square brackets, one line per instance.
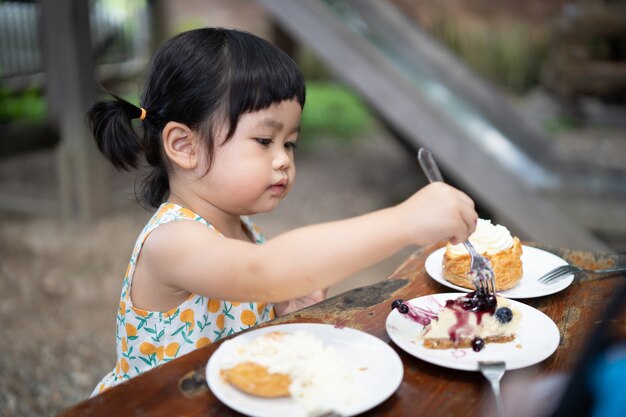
[487, 239]
[496, 243]
[472, 320]
[295, 364]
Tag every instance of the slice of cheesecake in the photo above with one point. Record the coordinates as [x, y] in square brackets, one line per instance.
[472, 320]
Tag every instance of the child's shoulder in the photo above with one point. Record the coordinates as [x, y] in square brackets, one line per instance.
[165, 222]
[171, 235]
[165, 228]
[169, 212]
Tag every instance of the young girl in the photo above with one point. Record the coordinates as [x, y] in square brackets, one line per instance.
[220, 116]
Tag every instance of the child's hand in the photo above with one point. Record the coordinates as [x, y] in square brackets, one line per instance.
[440, 212]
[287, 307]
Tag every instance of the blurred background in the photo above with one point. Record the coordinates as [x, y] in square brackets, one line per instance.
[522, 103]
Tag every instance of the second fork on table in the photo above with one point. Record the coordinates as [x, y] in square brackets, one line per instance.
[566, 270]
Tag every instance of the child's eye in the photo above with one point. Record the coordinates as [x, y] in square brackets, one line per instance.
[264, 141]
[291, 145]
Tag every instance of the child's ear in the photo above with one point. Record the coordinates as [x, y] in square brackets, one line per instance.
[180, 145]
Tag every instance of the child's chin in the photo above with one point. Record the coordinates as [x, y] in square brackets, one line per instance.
[267, 205]
[269, 208]
[266, 208]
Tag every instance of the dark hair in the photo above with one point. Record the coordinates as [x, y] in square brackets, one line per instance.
[200, 78]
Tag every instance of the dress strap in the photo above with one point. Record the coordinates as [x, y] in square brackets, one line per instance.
[167, 213]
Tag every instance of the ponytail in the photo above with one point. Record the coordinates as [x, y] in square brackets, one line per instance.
[110, 123]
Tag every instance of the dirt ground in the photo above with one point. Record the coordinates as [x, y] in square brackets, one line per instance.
[60, 282]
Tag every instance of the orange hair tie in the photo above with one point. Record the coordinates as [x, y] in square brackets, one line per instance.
[143, 113]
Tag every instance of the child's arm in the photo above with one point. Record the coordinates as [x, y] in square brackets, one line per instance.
[188, 256]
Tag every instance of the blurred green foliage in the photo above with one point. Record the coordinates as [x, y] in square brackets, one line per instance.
[560, 124]
[510, 55]
[26, 105]
[312, 67]
[333, 111]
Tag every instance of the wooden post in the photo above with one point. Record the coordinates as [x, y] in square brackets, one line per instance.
[159, 31]
[70, 89]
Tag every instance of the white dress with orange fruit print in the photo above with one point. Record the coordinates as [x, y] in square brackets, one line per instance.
[146, 339]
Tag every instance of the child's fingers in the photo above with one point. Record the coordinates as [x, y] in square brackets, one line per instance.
[466, 225]
[470, 217]
[466, 199]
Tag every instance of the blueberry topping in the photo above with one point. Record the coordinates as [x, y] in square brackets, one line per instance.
[478, 301]
[504, 315]
[478, 344]
[397, 303]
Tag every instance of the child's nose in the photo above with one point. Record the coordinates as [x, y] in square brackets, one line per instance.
[282, 160]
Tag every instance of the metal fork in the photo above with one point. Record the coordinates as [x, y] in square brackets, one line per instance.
[565, 270]
[478, 263]
[494, 371]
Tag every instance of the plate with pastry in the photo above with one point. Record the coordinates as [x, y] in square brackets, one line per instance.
[516, 267]
[303, 369]
[457, 330]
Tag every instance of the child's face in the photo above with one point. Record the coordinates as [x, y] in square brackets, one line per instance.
[255, 169]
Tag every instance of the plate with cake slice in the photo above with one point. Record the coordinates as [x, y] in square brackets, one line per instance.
[303, 369]
[457, 330]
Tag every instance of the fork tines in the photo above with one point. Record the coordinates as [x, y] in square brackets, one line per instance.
[492, 282]
[555, 274]
[480, 284]
[485, 283]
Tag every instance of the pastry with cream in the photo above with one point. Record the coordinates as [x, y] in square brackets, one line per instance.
[496, 244]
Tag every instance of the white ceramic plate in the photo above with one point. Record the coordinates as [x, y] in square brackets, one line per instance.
[536, 339]
[535, 263]
[380, 374]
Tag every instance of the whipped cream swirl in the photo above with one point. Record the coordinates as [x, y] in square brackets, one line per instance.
[487, 238]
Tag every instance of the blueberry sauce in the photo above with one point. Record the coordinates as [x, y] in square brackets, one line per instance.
[477, 302]
[419, 315]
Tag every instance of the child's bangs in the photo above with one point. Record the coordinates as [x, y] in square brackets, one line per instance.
[265, 88]
[261, 75]
[260, 87]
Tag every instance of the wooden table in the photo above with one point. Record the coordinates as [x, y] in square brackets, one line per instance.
[179, 387]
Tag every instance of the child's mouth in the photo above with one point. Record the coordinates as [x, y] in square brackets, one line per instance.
[279, 188]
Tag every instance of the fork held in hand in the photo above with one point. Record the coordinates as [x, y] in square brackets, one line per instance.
[478, 263]
[565, 270]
